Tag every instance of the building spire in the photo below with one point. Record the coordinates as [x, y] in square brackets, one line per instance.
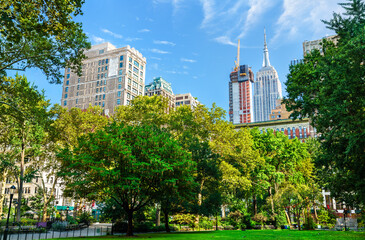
[266, 61]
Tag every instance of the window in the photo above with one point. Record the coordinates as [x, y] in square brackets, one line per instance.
[101, 52]
[121, 65]
[77, 94]
[97, 90]
[102, 69]
[141, 73]
[101, 82]
[102, 76]
[66, 89]
[121, 58]
[97, 83]
[134, 91]
[106, 68]
[119, 86]
[102, 62]
[99, 62]
[136, 63]
[67, 82]
[68, 76]
[142, 67]
[128, 95]
[106, 61]
[119, 93]
[130, 66]
[104, 82]
[120, 72]
[128, 102]
[104, 89]
[64, 103]
[135, 70]
[120, 79]
[78, 80]
[103, 96]
[99, 99]
[105, 75]
[135, 84]
[98, 69]
[68, 69]
[103, 104]
[129, 81]
[96, 98]
[129, 87]
[130, 59]
[98, 76]
[118, 101]
[66, 95]
[78, 87]
[77, 100]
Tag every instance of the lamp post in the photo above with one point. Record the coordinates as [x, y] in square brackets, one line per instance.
[11, 191]
[67, 212]
[113, 221]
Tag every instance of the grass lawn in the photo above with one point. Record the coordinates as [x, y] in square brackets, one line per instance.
[249, 234]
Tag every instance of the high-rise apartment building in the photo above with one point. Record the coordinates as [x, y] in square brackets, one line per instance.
[267, 88]
[308, 46]
[280, 111]
[110, 77]
[240, 95]
[186, 99]
[161, 87]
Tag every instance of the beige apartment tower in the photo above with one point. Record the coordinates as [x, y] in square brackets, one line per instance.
[110, 77]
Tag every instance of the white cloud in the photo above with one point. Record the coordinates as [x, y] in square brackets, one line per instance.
[208, 11]
[225, 40]
[155, 50]
[164, 42]
[96, 39]
[153, 66]
[187, 60]
[301, 19]
[144, 30]
[129, 39]
[111, 33]
[156, 58]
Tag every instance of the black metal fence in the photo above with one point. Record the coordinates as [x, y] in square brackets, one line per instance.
[42, 233]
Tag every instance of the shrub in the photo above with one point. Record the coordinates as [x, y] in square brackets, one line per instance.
[59, 226]
[86, 218]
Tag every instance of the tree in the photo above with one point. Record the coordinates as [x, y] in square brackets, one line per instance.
[25, 109]
[41, 34]
[130, 164]
[329, 89]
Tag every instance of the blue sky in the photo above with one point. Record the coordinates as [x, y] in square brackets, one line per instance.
[192, 43]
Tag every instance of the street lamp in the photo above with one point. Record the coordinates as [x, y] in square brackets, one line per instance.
[67, 212]
[11, 191]
[113, 220]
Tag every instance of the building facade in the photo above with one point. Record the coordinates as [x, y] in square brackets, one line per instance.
[267, 88]
[110, 77]
[300, 129]
[308, 46]
[186, 99]
[161, 87]
[280, 111]
[240, 95]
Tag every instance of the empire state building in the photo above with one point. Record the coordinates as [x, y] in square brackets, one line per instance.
[267, 88]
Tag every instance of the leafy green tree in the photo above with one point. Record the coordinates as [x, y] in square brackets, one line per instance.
[25, 109]
[130, 164]
[41, 34]
[329, 88]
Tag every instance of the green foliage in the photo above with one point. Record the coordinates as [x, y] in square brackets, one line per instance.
[42, 35]
[205, 223]
[127, 163]
[85, 218]
[326, 217]
[329, 88]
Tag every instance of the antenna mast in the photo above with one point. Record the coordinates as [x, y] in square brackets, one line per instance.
[237, 62]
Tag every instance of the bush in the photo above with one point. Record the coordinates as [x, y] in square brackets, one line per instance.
[120, 226]
[28, 222]
[86, 218]
[205, 223]
[59, 226]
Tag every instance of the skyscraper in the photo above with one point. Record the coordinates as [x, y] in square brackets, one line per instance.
[161, 87]
[110, 77]
[240, 92]
[267, 88]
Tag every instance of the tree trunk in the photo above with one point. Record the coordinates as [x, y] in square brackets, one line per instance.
[254, 204]
[287, 217]
[44, 213]
[298, 220]
[223, 211]
[158, 215]
[271, 201]
[20, 180]
[216, 222]
[130, 223]
[2, 194]
[167, 227]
